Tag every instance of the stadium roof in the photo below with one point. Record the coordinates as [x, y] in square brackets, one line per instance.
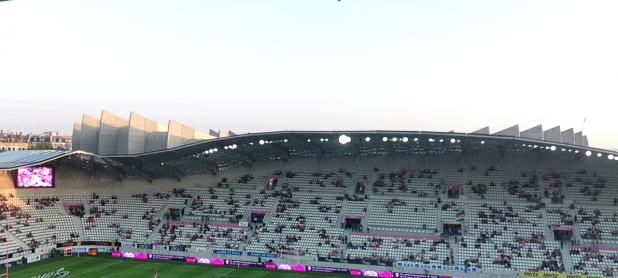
[17, 159]
[214, 155]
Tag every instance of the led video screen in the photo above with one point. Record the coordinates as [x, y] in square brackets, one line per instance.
[35, 177]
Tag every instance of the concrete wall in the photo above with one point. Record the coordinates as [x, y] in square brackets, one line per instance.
[179, 134]
[578, 138]
[213, 133]
[200, 135]
[156, 141]
[109, 129]
[138, 129]
[89, 135]
[484, 131]
[511, 131]
[533, 133]
[77, 129]
[568, 136]
[6, 181]
[174, 135]
[123, 140]
[112, 135]
[553, 135]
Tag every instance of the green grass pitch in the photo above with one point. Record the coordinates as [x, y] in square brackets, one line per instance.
[105, 266]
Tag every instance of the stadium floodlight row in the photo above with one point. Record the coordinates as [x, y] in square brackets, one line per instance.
[218, 154]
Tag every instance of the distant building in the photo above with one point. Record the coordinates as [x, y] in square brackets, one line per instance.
[58, 140]
[14, 141]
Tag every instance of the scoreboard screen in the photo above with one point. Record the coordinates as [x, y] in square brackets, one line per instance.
[35, 177]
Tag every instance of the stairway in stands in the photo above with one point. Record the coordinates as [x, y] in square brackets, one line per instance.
[566, 256]
[161, 216]
[549, 234]
[12, 238]
[155, 233]
[78, 226]
[77, 221]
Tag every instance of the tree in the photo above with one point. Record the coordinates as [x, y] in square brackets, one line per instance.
[43, 146]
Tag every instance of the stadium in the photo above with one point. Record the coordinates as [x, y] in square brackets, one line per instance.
[130, 200]
[310, 139]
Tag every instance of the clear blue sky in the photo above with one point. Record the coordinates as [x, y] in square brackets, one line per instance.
[253, 66]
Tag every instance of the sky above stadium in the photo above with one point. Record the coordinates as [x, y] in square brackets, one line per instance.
[251, 66]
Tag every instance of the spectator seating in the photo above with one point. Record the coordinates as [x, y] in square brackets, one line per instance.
[368, 247]
[506, 217]
[595, 260]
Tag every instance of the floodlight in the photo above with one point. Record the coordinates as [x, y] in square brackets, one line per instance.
[576, 151]
[262, 142]
[610, 157]
[308, 140]
[431, 140]
[367, 139]
[405, 139]
[415, 139]
[453, 140]
[394, 139]
[599, 154]
[441, 140]
[234, 146]
[285, 140]
[553, 148]
[385, 139]
[588, 153]
[225, 147]
[482, 142]
[215, 149]
[344, 139]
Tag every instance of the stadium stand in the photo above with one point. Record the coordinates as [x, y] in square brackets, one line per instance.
[500, 218]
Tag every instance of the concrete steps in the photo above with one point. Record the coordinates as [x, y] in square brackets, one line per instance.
[155, 233]
[79, 227]
[11, 237]
[549, 234]
[566, 257]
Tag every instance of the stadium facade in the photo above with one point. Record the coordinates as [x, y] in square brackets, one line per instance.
[113, 135]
